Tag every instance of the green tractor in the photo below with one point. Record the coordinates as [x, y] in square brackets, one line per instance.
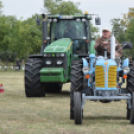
[69, 39]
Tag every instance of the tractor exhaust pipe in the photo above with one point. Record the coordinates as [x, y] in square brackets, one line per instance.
[44, 26]
[44, 30]
[113, 47]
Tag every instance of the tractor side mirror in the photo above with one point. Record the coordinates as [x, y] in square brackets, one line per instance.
[127, 45]
[38, 21]
[98, 21]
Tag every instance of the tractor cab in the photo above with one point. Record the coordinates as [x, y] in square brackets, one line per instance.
[76, 30]
[75, 27]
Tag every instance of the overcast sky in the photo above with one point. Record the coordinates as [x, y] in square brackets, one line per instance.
[107, 9]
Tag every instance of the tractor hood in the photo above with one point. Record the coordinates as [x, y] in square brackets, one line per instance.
[61, 45]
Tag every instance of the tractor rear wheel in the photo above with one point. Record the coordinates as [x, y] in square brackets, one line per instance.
[33, 86]
[78, 107]
[132, 110]
[130, 79]
[76, 82]
[130, 85]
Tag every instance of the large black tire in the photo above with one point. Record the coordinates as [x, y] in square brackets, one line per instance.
[53, 87]
[78, 107]
[128, 113]
[76, 82]
[132, 110]
[33, 86]
[130, 86]
[130, 79]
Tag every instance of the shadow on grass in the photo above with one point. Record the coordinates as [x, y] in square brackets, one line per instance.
[106, 120]
[61, 94]
[103, 117]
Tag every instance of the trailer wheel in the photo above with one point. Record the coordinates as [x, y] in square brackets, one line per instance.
[33, 86]
[132, 110]
[76, 82]
[78, 107]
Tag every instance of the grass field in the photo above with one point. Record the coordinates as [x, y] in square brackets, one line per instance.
[50, 115]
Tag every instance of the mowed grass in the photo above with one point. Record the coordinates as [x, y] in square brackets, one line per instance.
[50, 115]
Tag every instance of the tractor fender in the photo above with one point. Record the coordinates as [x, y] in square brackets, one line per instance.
[125, 63]
[85, 63]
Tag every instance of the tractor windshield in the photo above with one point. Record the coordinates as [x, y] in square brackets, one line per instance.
[68, 29]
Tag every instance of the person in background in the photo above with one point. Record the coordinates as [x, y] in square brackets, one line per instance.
[104, 43]
[18, 64]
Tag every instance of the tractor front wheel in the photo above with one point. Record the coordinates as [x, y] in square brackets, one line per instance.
[78, 107]
[132, 110]
[33, 86]
[76, 83]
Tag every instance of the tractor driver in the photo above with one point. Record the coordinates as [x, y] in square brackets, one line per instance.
[71, 32]
[104, 43]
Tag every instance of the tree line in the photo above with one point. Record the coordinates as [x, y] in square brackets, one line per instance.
[124, 30]
[19, 38]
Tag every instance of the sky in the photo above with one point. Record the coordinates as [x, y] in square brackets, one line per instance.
[106, 9]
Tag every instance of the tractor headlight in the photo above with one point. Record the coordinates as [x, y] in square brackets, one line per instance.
[48, 62]
[85, 70]
[62, 54]
[126, 70]
[57, 55]
[59, 62]
[47, 55]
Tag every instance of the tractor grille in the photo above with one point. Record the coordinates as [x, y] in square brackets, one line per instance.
[112, 75]
[99, 76]
[54, 64]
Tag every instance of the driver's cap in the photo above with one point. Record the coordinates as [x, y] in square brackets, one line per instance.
[106, 29]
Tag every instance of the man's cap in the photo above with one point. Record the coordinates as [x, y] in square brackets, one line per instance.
[106, 29]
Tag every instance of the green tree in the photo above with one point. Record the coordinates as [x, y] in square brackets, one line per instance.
[6, 29]
[26, 37]
[94, 31]
[35, 34]
[130, 37]
[119, 30]
[124, 24]
[61, 7]
[1, 6]
[128, 23]
[67, 8]
[127, 17]
[10, 56]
